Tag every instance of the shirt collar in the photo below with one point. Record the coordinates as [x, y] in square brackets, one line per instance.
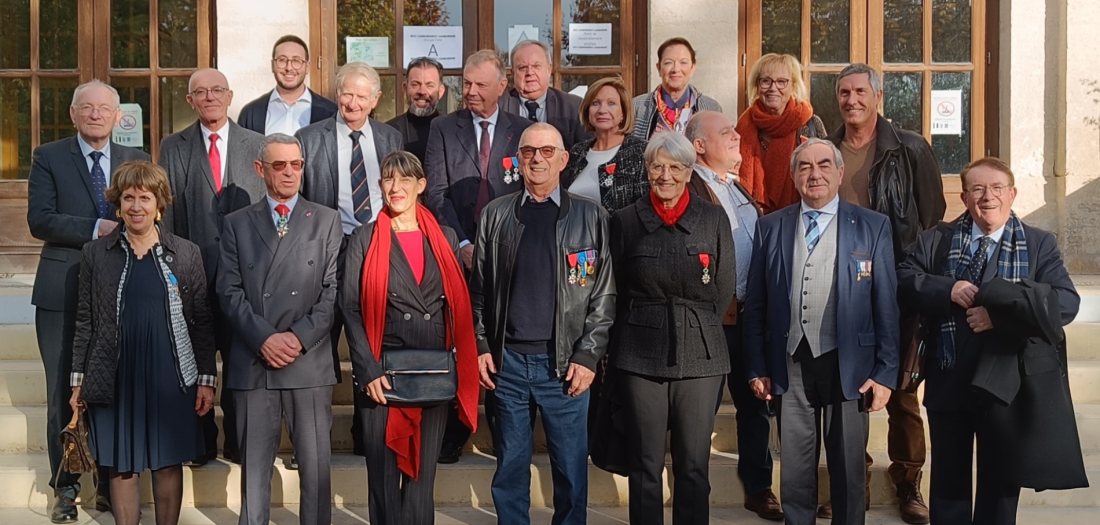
[345, 130]
[710, 175]
[492, 118]
[555, 195]
[87, 149]
[272, 203]
[828, 209]
[976, 234]
[541, 100]
[306, 96]
[223, 132]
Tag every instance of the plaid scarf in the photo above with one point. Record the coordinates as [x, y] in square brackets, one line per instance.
[1011, 266]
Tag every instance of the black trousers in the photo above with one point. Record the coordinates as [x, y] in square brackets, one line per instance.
[953, 435]
[394, 498]
[754, 465]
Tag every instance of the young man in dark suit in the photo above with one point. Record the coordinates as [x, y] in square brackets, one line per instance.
[291, 105]
[535, 100]
[67, 207]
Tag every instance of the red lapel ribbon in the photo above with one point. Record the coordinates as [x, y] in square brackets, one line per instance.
[610, 169]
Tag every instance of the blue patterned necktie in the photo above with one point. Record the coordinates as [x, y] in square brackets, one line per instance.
[360, 190]
[980, 259]
[813, 233]
[99, 186]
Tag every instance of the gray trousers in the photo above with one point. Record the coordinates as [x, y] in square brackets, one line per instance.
[308, 414]
[394, 498]
[800, 432]
[55, 332]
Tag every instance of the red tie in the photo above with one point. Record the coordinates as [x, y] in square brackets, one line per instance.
[216, 162]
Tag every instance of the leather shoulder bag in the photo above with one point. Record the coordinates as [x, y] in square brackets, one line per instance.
[421, 377]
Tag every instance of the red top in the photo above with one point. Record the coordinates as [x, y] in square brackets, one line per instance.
[412, 243]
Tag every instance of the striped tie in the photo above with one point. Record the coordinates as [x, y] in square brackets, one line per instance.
[360, 190]
[813, 234]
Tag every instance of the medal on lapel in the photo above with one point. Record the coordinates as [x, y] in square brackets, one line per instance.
[609, 178]
[704, 259]
[572, 268]
[590, 259]
[864, 270]
[281, 226]
[511, 169]
[582, 261]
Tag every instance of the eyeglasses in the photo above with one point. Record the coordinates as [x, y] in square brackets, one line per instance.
[294, 63]
[280, 165]
[547, 152]
[218, 92]
[977, 192]
[672, 169]
[87, 109]
[766, 83]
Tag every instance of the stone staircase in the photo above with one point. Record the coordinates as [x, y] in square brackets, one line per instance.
[24, 471]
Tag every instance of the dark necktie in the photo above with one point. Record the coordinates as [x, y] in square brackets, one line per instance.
[532, 110]
[980, 259]
[813, 233]
[99, 186]
[483, 156]
[360, 190]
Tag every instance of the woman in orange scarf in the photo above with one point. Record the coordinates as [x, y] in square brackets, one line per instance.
[403, 289]
[777, 121]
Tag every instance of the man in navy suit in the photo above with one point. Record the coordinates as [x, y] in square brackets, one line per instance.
[821, 332]
[291, 105]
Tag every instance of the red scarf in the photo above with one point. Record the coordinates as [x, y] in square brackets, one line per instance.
[670, 215]
[766, 173]
[403, 424]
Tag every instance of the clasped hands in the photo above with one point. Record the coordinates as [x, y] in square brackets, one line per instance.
[963, 294]
[281, 349]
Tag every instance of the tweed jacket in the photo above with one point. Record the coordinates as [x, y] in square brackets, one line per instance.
[669, 321]
[645, 112]
[629, 180]
[102, 276]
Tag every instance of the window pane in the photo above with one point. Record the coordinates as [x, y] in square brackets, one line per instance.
[510, 13]
[15, 128]
[902, 102]
[129, 34]
[452, 98]
[591, 12]
[387, 105]
[433, 13]
[136, 91]
[830, 24]
[951, 30]
[55, 97]
[953, 151]
[57, 35]
[823, 99]
[902, 31]
[175, 113]
[178, 41]
[364, 18]
[15, 39]
[781, 27]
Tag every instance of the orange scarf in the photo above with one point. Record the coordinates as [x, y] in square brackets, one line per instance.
[403, 424]
[767, 173]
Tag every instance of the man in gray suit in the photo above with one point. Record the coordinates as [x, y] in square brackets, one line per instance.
[209, 167]
[277, 285]
[535, 100]
[67, 207]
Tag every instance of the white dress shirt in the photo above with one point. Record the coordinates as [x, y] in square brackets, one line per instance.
[828, 212]
[287, 118]
[492, 128]
[370, 163]
[223, 139]
[104, 164]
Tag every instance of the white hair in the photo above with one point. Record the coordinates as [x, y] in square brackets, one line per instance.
[358, 69]
[93, 83]
[838, 159]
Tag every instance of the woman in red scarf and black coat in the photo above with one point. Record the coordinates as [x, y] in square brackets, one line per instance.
[404, 289]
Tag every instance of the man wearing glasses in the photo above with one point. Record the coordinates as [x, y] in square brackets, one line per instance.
[535, 100]
[291, 105]
[543, 295]
[67, 207]
[209, 167]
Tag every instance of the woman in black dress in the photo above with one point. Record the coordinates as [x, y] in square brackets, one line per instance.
[143, 353]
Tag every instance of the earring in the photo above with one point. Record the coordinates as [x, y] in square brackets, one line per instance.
[159, 216]
[118, 214]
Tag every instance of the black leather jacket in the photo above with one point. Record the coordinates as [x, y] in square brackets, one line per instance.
[905, 183]
[584, 315]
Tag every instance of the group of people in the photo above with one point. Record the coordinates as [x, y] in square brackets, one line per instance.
[609, 262]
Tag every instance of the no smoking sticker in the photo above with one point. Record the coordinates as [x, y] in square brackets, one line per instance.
[946, 112]
[128, 132]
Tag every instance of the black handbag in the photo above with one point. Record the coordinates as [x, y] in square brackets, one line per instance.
[420, 378]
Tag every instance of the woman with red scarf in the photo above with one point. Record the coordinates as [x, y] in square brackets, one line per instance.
[675, 275]
[671, 105]
[779, 118]
[403, 289]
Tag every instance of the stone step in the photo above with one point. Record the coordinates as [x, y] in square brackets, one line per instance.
[1088, 287]
[24, 483]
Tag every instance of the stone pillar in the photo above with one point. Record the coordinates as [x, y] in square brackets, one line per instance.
[711, 27]
[1080, 242]
[246, 31]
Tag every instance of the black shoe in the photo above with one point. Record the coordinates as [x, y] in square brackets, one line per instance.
[292, 463]
[102, 503]
[449, 453]
[232, 456]
[64, 510]
[195, 463]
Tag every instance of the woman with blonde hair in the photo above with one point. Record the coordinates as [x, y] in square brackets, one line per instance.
[779, 118]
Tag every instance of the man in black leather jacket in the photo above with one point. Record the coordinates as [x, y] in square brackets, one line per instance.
[543, 296]
[894, 172]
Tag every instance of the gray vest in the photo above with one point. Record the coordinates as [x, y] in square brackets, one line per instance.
[813, 292]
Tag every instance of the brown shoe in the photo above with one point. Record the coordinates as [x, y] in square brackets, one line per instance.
[825, 510]
[765, 505]
[911, 503]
